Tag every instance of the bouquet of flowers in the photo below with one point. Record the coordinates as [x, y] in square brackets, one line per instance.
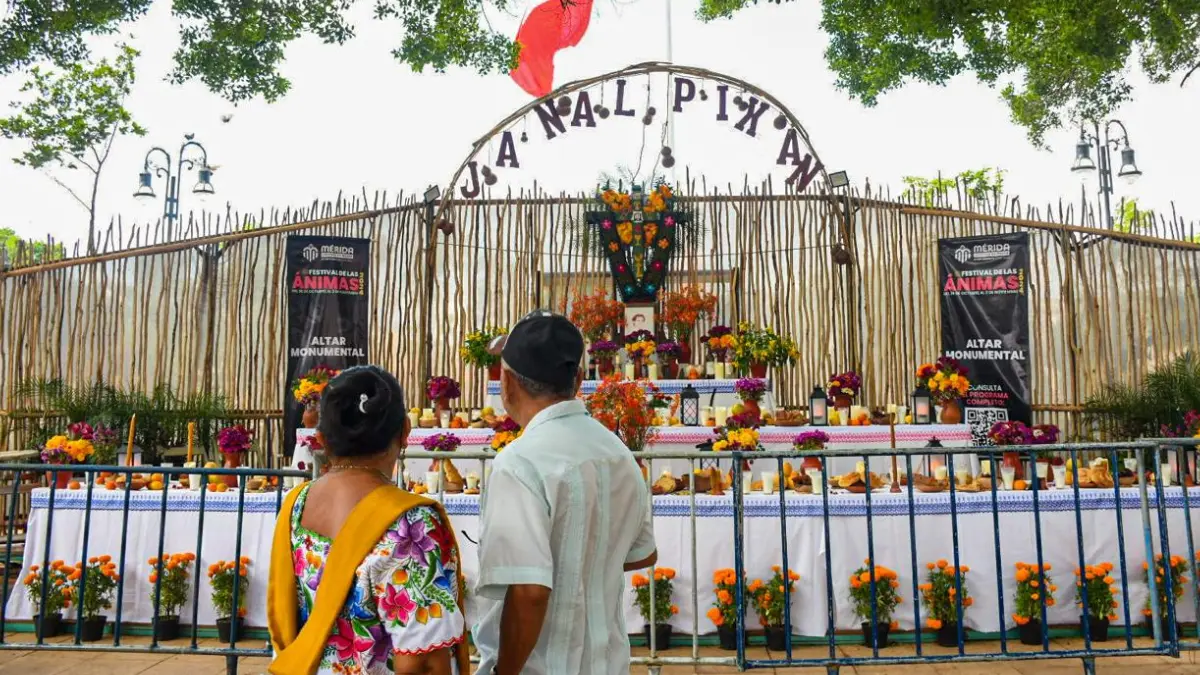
[750, 389]
[442, 387]
[621, 406]
[603, 349]
[762, 346]
[1189, 429]
[946, 380]
[1043, 434]
[234, 440]
[1177, 568]
[220, 577]
[639, 345]
[506, 431]
[62, 450]
[663, 609]
[940, 593]
[474, 349]
[442, 442]
[770, 598]
[846, 384]
[1101, 591]
[668, 352]
[885, 598]
[104, 440]
[743, 420]
[720, 341]
[596, 314]
[811, 440]
[308, 388]
[1012, 432]
[1032, 582]
[683, 308]
[730, 439]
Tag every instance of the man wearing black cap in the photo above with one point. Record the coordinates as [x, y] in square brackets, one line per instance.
[564, 515]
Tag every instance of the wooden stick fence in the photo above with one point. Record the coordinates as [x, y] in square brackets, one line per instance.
[201, 305]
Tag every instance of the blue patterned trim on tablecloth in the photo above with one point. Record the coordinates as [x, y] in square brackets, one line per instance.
[664, 386]
[756, 506]
[150, 500]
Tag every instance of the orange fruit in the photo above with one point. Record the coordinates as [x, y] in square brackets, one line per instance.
[156, 485]
[156, 477]
[212, 487]
[221, 487]
[110, 484]
[73, 485]
[1019, 484]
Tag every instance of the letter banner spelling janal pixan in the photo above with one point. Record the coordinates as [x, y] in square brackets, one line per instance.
[985, 324]
[328, 312]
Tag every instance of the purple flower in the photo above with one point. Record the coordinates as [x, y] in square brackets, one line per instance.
[383, 643]
[235, 439]
[81, 430]
[410, 540]
[1044, 434]
[603, 348]
[442, 387]
[811, 440]
[441, 443]
[750, 388]
[1011, 433]
[669, 349]
[639, 336]
[719, 331]
[316, 579]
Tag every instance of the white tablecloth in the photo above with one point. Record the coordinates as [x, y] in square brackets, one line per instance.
[714, 545]
[685, 439]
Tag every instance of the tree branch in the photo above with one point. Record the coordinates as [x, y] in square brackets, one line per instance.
[69, 190]
[1189, 74]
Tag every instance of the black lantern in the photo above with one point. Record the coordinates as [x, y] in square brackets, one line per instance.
[922, 406]
[818, 408]
[689, 407]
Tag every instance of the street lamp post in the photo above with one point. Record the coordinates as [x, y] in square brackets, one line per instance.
[150, 169]
[1084, 161]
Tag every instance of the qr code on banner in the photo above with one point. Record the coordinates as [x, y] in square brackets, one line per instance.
[981, 420]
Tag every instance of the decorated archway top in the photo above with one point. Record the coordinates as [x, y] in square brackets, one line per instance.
[571, 106]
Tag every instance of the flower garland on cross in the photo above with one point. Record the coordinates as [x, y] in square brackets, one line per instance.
[638, 234]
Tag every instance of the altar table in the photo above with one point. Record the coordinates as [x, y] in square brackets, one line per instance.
[806, 545]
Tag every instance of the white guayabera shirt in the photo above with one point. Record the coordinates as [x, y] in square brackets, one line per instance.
[565, 507]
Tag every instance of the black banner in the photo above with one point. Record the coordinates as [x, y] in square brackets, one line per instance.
[985, 324]
[328, 312]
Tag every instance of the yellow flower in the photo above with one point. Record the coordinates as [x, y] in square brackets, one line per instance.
[56, 443]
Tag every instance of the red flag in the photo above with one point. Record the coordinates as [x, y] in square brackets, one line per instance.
[551, 26]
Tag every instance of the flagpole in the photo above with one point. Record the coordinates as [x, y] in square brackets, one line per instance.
[670, 105]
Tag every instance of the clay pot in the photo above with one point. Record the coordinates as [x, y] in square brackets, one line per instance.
[842, 401]
[233, 460]
[685, 350]
[758, 370]
[58, 479]
[751, 406]
[493, 372]
[951, 413]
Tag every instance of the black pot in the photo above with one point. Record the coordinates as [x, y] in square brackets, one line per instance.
[1098, 629]
[1030, 632]
[728, 637]
[48, 626]
[223, 630]
[881, 629]
[93, 628]
[947, 635]
[167, 628]
[662, 636]
[777, 638]
[1166, 628]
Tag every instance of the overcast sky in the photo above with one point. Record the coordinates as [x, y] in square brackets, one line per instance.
[356, 119]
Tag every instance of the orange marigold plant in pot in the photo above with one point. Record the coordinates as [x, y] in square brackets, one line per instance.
[1034, 586]
[944, 594]
[1097, 583]
[875, 602]
[663, 610]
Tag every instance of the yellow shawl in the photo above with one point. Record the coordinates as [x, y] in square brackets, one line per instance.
[298, 649]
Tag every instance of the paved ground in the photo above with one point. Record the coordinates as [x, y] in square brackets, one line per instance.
[61, 663]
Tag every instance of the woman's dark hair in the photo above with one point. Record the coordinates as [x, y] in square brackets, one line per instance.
[362, 412]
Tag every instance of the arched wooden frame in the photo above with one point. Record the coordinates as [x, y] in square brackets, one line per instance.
[647, 69]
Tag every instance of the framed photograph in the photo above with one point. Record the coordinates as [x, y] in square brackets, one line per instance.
[639, 317]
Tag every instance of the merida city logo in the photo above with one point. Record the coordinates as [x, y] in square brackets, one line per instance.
[310, 253]
[981, 253]
[337, 253]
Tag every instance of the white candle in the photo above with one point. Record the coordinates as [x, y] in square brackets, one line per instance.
[412, 420]
[747, 480]
[963, 476]
[445, 419]
[1007, 474]
[432, 480]
[630, 372]
[1165, 471]
[941, 473]
[710, 369]
[985, 467]
[818, 480]
[652, 371]
[719, 371]
[1060, 476]
[722, 414]
[770, 480]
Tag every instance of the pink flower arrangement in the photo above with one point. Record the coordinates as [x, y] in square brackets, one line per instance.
[750, 388]
[81, 430]
[1044, 434]
[441, 443]
[235, 439]
[1011, 433]
[442, 387]
[742, 420]
[811, 440]
[846, 384]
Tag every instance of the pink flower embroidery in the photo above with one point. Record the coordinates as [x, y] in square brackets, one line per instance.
[607, 224]
[396, 605]
[298, 562]
[348, 643]
[669, 221]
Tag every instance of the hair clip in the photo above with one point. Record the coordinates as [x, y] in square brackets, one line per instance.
[362, 403]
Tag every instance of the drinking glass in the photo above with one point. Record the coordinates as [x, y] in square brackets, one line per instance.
[1008, 474]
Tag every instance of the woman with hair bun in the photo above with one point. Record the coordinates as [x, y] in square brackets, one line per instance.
[364, 576]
